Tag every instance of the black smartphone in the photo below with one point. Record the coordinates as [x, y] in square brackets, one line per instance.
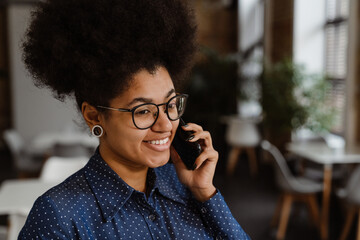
[188, 151]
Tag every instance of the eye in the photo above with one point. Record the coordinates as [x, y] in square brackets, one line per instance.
[172, 105]
[143, 112]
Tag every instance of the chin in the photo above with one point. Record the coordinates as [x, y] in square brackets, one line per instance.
[159, 161]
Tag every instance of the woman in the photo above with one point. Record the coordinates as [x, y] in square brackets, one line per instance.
[121, 59]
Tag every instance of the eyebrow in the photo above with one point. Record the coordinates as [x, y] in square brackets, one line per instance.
[149, 100]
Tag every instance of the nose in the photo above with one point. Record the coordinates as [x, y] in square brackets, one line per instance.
[163, 123]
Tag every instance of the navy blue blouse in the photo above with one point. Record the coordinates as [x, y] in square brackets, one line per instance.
[95, 203]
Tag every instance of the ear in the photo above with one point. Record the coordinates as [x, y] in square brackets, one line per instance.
[91, 115]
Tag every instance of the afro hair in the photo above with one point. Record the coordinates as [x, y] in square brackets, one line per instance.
[92, 48]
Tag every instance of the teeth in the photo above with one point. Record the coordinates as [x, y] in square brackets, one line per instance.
[159, 142]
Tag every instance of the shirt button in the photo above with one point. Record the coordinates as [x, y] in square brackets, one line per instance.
[152, 217]
[203, 210]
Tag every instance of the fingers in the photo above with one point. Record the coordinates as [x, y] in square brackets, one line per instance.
[208, 155]
[198, 134]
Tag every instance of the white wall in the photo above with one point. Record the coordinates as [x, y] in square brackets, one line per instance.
[309, 21]
[251, 18]
[34, 110]
[250, 30]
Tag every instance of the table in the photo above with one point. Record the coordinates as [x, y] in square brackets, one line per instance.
[44, 142]
[17, 198]
[320, 153]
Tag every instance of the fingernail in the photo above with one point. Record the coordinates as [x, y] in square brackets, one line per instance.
[194, 166]
[191, 137]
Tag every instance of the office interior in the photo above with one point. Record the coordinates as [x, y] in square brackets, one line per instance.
[259, 125]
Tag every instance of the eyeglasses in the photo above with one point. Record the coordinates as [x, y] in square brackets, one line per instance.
[144, 116]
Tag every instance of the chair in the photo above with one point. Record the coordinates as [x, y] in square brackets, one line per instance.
[25, 163]
[58, 169]
[351, 195]
[242, 135]
[293, 189]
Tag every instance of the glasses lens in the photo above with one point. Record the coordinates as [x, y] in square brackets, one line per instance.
[145, 115]
[176, 107]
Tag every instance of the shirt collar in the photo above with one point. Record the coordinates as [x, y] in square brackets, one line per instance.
[168, 184]
[109, 189]
[112, 192]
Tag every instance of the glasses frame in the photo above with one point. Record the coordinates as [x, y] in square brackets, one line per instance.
[132, 110]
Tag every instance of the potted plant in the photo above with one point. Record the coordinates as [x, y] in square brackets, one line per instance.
[291, 99]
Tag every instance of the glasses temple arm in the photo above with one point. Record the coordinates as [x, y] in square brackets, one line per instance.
[116, 109]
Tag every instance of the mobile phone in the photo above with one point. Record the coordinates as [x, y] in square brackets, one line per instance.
[188, 151]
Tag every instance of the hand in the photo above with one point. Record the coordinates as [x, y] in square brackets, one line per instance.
[200, 180]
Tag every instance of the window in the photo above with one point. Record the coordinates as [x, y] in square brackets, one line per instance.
[336, 37]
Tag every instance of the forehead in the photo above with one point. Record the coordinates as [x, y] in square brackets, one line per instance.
[145, 80]
[155, 86]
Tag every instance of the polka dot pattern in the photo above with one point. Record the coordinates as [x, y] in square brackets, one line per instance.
[95, 203]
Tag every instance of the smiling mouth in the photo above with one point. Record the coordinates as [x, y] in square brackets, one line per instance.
[159, 142]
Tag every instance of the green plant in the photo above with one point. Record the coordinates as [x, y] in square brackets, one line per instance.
[292, 98]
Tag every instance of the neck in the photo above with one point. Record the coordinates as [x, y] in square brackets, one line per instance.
[136, 180]
[134, 176]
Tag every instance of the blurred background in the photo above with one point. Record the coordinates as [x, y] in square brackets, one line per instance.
[276, 82]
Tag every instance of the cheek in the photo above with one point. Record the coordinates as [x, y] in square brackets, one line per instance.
[124, 135]
[175, 125]
[130, 137]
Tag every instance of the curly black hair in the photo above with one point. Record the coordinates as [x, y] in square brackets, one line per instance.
[92, 48]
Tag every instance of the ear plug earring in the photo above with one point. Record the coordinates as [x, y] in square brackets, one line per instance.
[97, 131]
